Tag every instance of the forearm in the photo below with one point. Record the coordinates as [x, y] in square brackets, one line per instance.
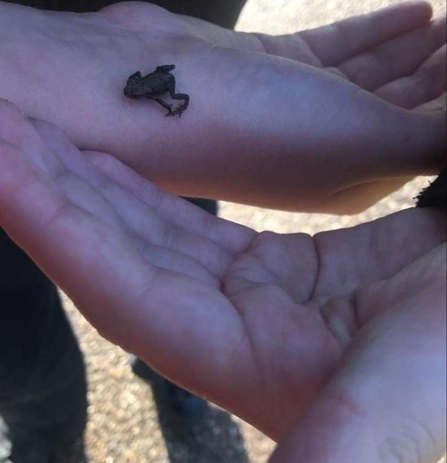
[71, 70]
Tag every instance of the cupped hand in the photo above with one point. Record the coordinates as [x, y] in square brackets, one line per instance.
[332, 344]
[273, 121]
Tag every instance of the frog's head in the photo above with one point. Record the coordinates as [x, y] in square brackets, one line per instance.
[133, 88]
[166, 69]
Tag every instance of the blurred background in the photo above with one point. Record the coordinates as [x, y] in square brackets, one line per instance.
[124, 425]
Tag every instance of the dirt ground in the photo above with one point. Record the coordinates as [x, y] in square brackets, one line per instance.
[124, 425]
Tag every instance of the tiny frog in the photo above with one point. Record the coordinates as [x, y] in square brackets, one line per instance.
[154, 85]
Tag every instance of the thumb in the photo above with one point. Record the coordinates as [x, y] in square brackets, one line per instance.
[334, 430]
[337, 429]
[386, 404]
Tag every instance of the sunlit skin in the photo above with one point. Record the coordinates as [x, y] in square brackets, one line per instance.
[368, 93]
[313, 340]
[310, 339]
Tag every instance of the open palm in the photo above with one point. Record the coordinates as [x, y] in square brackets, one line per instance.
[263, 324]
[306, 104]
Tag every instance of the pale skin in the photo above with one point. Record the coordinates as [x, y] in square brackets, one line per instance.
[368, 92]
[313, 340]
[334, 345]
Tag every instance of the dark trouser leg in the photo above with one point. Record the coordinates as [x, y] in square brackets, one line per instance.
[207, 205]
[221, 12]
[42, 378]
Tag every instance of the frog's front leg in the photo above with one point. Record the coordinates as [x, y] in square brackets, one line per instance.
[163, 103]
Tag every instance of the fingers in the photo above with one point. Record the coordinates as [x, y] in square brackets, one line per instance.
[423, 86]
[395, 59]
[161, 222]
[83, 189]
[345, 39]
[160, 241]
[23, 165]
[374, 251]
[178, 212]
[51, 157]
[31, 202]
[17, 130]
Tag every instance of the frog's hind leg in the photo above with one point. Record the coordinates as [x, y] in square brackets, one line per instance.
[177, 96]
[163, 103]
[178, 111]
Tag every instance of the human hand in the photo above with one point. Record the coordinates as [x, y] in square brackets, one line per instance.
[333, 345]
[277, 103]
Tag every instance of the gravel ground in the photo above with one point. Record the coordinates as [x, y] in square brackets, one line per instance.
[124, 425]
